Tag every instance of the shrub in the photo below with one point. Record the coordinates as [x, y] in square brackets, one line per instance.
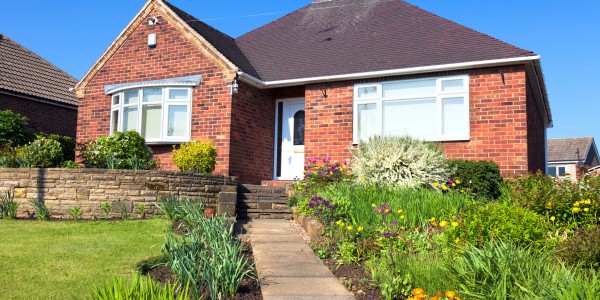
[196, 156]
[13, 129]
[479, 178]
[397, 161]
[43, 152]
[8, 205]
[67, 145]
[564, 204]
[121, 150]
[583, 248]
[481, 224]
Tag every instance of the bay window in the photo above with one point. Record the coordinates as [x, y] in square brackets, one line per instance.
[159, 114]
[431, 109]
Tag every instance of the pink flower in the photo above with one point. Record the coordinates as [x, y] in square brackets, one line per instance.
[312, 160]
[326, 159]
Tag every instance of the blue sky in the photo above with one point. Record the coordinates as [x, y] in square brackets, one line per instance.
[566, 34]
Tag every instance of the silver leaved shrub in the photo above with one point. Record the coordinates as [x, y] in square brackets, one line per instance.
[398, 162]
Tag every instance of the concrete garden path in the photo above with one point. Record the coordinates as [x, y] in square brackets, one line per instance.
[287, 267]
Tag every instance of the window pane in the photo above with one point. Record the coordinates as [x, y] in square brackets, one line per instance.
[116, 100]
[114, 127]
[178, 121]
[130, 118]
[299, 128]
[454, 120]
[151, 124]
[416, 118]
[367, 92]
[179, 94]
[152, 95]
[452, 85]
[552, 171]
[131, 97]
[410, 89]
[561, 171]
[367, 121]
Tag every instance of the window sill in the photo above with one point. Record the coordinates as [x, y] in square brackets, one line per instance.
[154, 143]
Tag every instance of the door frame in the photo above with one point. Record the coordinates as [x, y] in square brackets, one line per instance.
[276, 157]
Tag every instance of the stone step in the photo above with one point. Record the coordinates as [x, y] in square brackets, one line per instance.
[251, 196]
[246, 188]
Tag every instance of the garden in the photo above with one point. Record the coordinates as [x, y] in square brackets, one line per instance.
[403, 222]
[189, 256]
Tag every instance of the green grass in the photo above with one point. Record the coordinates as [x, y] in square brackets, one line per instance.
[64, 260]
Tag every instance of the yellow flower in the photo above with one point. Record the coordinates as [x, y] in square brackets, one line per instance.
[443, 223]
[454, 184]
[576, 209]
[418, 291]
[444, 187]
[399, 211]
[402, 217]
[360, 228]
[462, 191]
[338, 222]
[586, 209]
[434, 298]
[450, 294]
[548, 205]
[576, 204]
[432, 219]
[373, 204]
[457, 181]
[457, 240]
[552, 218]
[349, 228]
[454, 224]
[435, 184]
[587, 201]
[387, 210]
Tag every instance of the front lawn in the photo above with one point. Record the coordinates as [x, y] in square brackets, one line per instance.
[64, 260]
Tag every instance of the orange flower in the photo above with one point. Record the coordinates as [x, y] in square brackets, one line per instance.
[417, 292]
[450, 294]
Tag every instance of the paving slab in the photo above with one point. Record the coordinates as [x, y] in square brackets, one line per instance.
[287, 268]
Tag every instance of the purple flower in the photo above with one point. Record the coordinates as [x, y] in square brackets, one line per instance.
[312, 160]
[383, 209]
[393, 223]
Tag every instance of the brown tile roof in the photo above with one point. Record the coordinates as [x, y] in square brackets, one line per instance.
[24, 72]
[566, 149]
[352, 36]
[222, 42]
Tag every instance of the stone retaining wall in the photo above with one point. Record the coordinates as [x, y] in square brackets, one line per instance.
[63, 189]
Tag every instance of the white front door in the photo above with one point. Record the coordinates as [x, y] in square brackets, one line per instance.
[291, 145]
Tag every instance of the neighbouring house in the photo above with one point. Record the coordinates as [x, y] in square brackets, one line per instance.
[35, 88]
[314, 83]
[566, 156]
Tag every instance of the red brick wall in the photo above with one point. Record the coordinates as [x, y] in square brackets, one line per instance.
[42, 117]
[497, 118]
[174, 56]
[252, 134]
[536, 134]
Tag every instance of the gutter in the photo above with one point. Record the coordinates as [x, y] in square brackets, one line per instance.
[406, 71]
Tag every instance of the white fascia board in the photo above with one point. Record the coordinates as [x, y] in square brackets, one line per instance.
[406, 71]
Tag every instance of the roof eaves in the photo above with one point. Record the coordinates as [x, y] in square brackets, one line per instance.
[383, 73]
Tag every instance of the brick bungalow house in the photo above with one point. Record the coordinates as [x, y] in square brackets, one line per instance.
[35, 88]
[315, 82]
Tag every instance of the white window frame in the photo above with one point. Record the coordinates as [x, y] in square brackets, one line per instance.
[378, 99]
[165, 103]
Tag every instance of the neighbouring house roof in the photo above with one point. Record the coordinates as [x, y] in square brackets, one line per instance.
[348, 36]
[566, 149]
[24, 72]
